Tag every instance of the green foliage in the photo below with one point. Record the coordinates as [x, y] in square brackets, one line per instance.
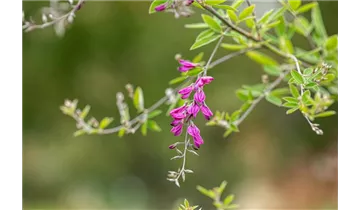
[139, 99]
[216, 193]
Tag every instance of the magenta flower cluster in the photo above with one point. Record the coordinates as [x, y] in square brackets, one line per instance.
[163, 6]
[186, 113]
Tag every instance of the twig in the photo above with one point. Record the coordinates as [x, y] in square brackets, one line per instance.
[256, 23]
[248, 35]
[33, 26]
[262, 96]
[214, 51]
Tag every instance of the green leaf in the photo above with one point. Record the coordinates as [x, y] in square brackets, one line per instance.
[224, 7]
[280, 91]
[228, 132]
[306, 7]
[206, 192]
[272, 70]
[241, 95]
[264, 19]
[329, 77]
[154, 126]
[211, 23]
[154, 4]
[305, 97]
[249, 23]
[105, 122]
[198, 57]
[302, 26]
[204, 41]
[177, 80]
[85, 112]
[308, 71]
[318, 22]
[280, 12]
[294, 4]
[297, 77]
[144, 128]
[294, 91]
[261, 58]
[186, 203]
[154, 113]
[121, 132]
[237, 3]
[138, 99]
[232, 15]
[204, 34]
[222, 186]
[79, 133]
[290, 105]
[332, 43]
[290, 99]
[325, 114]
[234, 47]
[286, 45]
[214, 2]
[246, 12]
[273, 99]
[228, 199]
[290, 111]
[194, 71]
[196, 25]
[280, 27]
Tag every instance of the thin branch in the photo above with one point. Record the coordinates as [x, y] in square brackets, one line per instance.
[229, 56]
[261, 97]
[214, 51]
[248, 35]
[33, 26]
[256, 23]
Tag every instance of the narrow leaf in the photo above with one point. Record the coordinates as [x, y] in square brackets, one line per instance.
[297, 77]
[294, 4]
[105, 122]
[294, 91]
[246, 12]
[214, 2]
[325, 114]
[154, 126]
[237, 3]
[154, 113]
[211, 23]
[205, 41]
[273, 99]
[196, 25]
[138, 99]
[177, 80]
[144, 128]
[261, 58]
[318, 22]
[306, 7]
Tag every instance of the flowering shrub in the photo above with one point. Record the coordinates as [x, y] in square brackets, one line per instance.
[304, 81]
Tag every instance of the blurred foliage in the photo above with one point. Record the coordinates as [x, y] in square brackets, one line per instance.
[112, 44]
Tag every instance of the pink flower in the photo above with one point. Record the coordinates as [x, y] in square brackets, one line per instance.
[199, 96]
[161, 7]
[206, 111]
[193, 131]
[178, 110]
[189, 2]
[185, 92]
[172, 146]
[186, 65]
[203, 81]
[193, 109]
[177, 129]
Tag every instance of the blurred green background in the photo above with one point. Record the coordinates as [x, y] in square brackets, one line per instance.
[274, 162]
